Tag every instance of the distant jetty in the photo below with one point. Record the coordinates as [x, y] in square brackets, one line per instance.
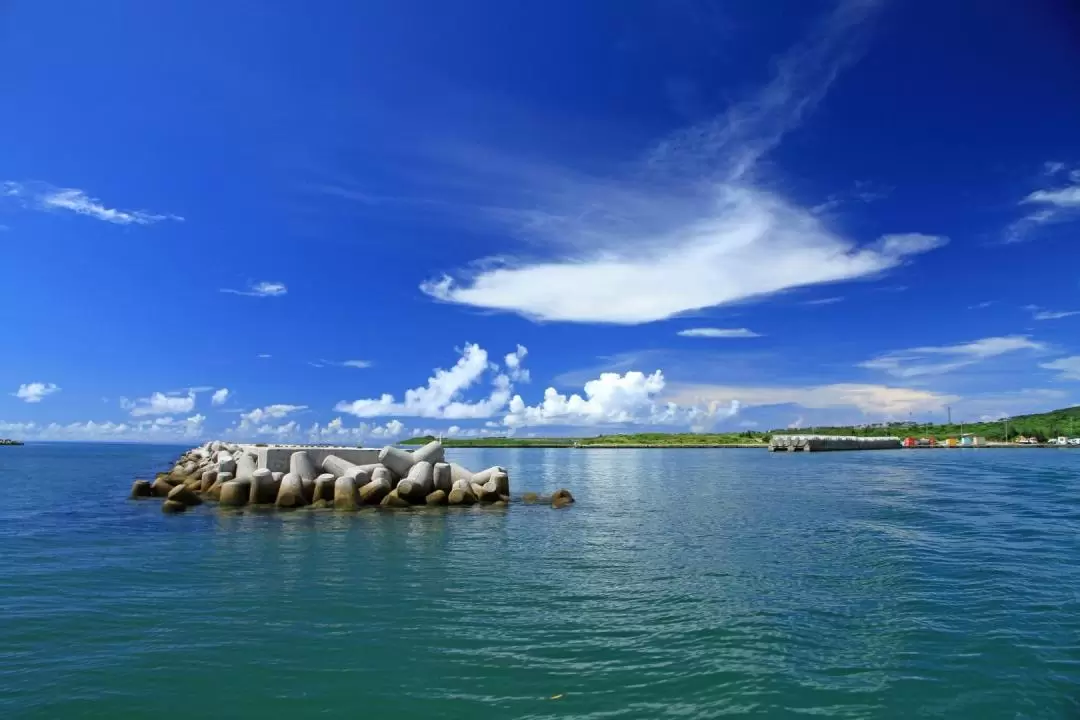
[290, 477]
[10, 442]
[821, 443]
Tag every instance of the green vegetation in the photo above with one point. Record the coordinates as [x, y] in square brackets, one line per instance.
[634, 440]
[10, 442]
[1041, 425]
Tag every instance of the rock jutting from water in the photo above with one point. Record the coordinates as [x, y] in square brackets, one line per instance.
[289, 477]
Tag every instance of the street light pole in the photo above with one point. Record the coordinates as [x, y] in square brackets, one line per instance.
[1006, 428]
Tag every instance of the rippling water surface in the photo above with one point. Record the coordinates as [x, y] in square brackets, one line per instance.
[684, 583]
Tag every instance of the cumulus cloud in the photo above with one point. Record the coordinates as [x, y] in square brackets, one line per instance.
[220, 396]
[157, 430]
[513, 362]
[335, 431]
[864, 397]
[718, 333]
[442, 397]
[160, 404]
[615, 399]
[253, 418]
[1068, 367]
[265, 288]
[919, 361]
[43, 196]
[824, 301]
[688, 227]
[35, 392]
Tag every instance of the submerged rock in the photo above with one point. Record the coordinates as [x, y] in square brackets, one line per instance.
[561, 498]
[173, 506]
[530, 498]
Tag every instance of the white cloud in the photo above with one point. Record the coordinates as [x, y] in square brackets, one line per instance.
[35, 392]
[160, 404]
[824, 301]
[219, 397]
[264, 288]
[334, 431]
[616, 399]
[689, 229]
[513, 365]
[866, 398]
[442, 396]
[254, 417]
[42, 196]
[696, 262]
[157, 430]
[1054, 204]
[718, 333]
[1038, 313]
[1069, 367]
[981, 306]
[1067, 197]
[920, 361]
[357, 364]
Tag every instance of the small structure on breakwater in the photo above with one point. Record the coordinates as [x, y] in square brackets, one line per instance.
[820, 443]
[294, 476]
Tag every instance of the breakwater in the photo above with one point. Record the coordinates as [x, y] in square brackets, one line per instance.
[821, 443]
[292, 476]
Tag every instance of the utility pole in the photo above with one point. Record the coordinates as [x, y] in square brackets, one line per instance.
[1006, 428]
[948, 409]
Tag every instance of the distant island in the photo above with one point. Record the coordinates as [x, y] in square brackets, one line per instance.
[1041, 426]
[10, 442]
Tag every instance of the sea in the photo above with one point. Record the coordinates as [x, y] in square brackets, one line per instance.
[683, 583]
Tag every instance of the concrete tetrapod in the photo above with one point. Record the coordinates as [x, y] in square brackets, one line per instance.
[345, 493]
[373, 492]
[483, 476]
[502, 483]
[441, 477]
[300, 464]
[418, 484]
[324, 488]
[291, 494]
[226, 464]
[383, 473]
[457, 472]
[184, 494]
[235, 493]
[209, 477]
[397, 460]
[336, 466]
[432, 452]
[173, 506]
[161, 487]
[263, 489]
[141, 489]
[461, 494]
[245, 466]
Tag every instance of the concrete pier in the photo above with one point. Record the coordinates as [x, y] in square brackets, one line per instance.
[822, 443]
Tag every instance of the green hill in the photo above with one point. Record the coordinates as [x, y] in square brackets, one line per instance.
[1044, 426]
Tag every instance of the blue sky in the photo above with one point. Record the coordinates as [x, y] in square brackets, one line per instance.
[359, 221]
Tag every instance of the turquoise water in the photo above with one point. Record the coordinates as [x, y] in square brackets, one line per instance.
[684, 583]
